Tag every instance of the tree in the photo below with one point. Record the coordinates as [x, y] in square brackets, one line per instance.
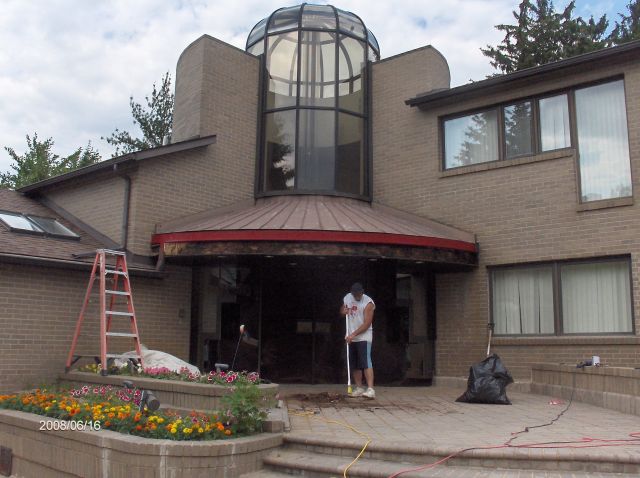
[542, 35]
[628, 28]
[39, 162]
[155, 121]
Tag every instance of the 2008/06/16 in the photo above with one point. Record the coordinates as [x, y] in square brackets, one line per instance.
[60, 425]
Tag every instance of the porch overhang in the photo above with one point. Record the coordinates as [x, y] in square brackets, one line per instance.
[315, 225]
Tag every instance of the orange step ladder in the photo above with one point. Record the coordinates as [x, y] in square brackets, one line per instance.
[100, 271]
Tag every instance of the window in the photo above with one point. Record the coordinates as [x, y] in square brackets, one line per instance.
[562, 298]
[555, 132]
[471, 139]
[601, 120]
[18, 222]
[518, 136]
[523, 301]
[51, 226]
[36, 225]
[543, 124]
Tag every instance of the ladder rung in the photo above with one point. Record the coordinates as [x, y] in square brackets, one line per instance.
[124, 357]
[113, 271]
[121, 334]
[116, 292]
[114, 253]
[113, 312]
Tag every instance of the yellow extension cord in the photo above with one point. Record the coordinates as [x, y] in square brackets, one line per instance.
[345, 425]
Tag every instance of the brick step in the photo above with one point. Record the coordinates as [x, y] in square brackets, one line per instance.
[286, 462]
[552, 460]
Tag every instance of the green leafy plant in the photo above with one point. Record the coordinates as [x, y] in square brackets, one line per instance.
[246, 408]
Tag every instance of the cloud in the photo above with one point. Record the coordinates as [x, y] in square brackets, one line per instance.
[68, 67]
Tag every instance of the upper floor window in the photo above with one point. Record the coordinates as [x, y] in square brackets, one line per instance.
[597, 115]
[603, 143]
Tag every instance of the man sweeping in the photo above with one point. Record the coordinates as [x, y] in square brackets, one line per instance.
[359, 307]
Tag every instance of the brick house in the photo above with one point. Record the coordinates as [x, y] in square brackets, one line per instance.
[507, 201]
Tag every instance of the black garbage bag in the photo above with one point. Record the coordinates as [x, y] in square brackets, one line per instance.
[487, 382]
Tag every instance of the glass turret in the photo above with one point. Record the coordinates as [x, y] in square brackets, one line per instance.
[314, 101]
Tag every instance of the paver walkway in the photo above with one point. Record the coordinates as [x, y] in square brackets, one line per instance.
[429, 416]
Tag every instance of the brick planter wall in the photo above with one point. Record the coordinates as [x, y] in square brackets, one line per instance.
[53, 454]
[198, 396]
[615, 388]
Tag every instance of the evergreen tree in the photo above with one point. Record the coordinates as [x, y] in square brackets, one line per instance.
[155, 121]
[39, 162]
[628, 28]
[542, 35]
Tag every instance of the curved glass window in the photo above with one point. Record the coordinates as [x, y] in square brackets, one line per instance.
[314, 100]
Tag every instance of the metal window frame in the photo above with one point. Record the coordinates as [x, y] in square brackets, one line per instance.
[556, 266]
[41, 232]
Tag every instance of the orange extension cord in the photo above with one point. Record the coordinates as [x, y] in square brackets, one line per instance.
[586, 442]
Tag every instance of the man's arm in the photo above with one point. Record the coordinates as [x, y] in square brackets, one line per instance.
[368, 320]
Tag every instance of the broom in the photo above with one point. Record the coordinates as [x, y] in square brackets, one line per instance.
[346, 321]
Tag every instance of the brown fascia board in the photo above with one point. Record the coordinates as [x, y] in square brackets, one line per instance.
[24, 260]
[116, 164]
[473, 90]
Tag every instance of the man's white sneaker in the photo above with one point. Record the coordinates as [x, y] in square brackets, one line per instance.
[370, 393]
[358, 392]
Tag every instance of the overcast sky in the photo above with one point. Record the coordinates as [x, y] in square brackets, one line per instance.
[68, 67]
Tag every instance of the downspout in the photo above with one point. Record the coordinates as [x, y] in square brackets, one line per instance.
[125, 213]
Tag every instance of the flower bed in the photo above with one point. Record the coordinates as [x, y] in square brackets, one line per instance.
[184, 375]
[117, 410]
[206, 396]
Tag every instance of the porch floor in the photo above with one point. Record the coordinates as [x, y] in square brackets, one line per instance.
[428, 421]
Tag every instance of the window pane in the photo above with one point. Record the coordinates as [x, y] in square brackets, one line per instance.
[351, 65]
[316, 150]
[257, 32]
[605, 170]
[351, 24]
[554, 123]
[284, 19]
[596, 297]
[18, 221]
[523, 301]
[318, 69]
[52, 226]
[471, 139]
[282, 70]
[318, 16]
[517, 129]
[350, 163]
[257, 49]
[279, 150]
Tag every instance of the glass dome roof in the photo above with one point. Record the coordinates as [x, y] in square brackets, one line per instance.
[314, 17]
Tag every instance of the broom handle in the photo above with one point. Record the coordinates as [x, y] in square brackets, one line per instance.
[346, 321]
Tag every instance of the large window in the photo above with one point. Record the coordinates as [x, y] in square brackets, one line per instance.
[601, 119]
[562, 298]
[544, 123]
[314, 101]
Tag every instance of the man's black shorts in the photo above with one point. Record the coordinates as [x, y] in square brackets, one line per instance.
[360, 355]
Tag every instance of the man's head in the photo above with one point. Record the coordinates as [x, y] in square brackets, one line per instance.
[357, 290]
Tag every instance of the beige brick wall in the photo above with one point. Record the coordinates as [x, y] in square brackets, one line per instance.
[39, 308]
[184, 183]
[522, 213]
[98, 203]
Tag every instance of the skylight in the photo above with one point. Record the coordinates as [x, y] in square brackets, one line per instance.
[36, 225]
[51, 226]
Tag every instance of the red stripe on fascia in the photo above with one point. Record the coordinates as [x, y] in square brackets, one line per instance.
[313, 236]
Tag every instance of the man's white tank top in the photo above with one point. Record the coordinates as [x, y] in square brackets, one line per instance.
[356, 316]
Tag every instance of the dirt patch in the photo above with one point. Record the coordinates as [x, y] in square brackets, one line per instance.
[330, 399]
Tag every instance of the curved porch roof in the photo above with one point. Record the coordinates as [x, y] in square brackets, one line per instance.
[312, 220]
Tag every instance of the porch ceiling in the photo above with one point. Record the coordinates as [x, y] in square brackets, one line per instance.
[313, 225]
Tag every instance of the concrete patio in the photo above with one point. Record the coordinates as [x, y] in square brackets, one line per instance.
[411, 427]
